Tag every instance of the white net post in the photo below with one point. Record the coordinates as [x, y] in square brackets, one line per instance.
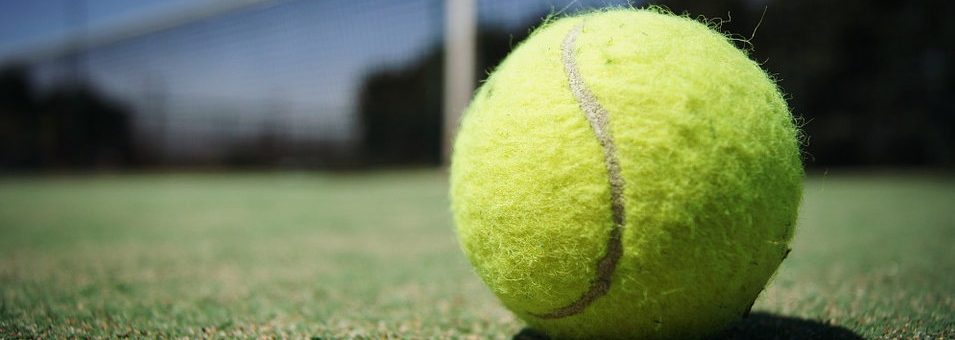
[459, 44]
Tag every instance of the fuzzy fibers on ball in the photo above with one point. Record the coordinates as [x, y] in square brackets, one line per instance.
[626, 174]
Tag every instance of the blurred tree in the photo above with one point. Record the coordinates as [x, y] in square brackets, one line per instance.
[79, 128]
[18, 119]
[871, 79]
[71, 126]
[400, 112]
[401, 107]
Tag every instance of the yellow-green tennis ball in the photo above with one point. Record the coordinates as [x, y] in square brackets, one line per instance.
[627, 173]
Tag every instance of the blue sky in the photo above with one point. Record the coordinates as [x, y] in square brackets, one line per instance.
[27, 22]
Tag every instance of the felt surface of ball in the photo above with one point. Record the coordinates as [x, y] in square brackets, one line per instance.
[626, 173]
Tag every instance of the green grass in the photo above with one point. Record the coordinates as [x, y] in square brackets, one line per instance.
[374, 255]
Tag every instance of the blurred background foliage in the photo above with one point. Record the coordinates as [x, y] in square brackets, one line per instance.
[870, 82]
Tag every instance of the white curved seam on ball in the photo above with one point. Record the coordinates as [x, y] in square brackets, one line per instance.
[599, 120]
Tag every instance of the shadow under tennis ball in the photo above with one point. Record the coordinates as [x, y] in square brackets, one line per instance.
[757, 326]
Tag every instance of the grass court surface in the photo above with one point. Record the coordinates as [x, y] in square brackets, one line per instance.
[374, 255]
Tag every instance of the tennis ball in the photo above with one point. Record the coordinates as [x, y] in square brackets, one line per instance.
[626, 173]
